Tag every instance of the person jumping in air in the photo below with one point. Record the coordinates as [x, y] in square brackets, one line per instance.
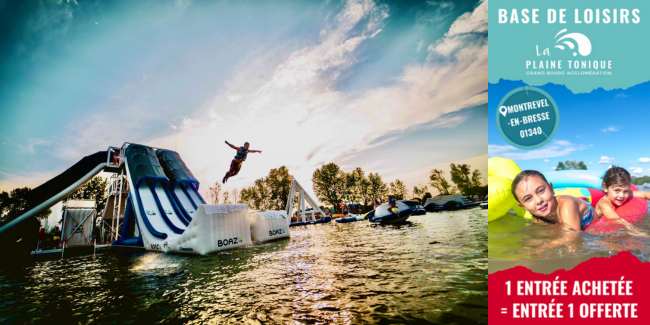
[235, 165]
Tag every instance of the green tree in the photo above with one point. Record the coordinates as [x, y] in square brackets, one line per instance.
[13, 204]
[96, 189]
[439, 182]
[366, 193]
[270, 192]
[329, 184]
[377, 187]
[246, 196]
[425, 197]
[460, 175]
[235, 196]
[418, 191]
[477, 178]
[478, 187]
[398, 190]
[214, 192]
[279, 185]
[571, 165]
[354, 185]
[640, 180]
[358, 188]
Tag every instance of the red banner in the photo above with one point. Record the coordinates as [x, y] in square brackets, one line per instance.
[598, 291]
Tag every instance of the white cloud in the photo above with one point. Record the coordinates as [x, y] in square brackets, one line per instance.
[233, 98]
[274, 101]
[631, 161]
[605, 160]
[621, 95]
[591, 163]
[610, 129]
[636, 170]
[557, 148]
[30, 146]
[441, 4]
[546, 160]
[462, 31]
[553, 168]
[419, 47]
[643, 160]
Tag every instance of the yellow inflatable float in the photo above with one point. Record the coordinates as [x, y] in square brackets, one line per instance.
[501, 172]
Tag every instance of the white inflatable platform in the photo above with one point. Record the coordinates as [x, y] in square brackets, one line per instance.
[269, 225]
[214, 228]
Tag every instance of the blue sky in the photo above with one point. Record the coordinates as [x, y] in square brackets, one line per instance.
[392, 87]
[600, 128]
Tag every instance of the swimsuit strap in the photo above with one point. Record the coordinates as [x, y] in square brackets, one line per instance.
[586, 220]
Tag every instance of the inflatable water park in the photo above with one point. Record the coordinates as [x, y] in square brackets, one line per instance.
[449, 202]
[583, 184]
[384, 215]
[154, 204]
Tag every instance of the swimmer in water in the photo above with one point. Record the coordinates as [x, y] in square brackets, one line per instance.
[616, 185]
[535, 194]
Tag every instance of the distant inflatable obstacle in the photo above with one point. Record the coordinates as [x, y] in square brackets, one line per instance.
[269, 225]
[305, 216]
[396, 215]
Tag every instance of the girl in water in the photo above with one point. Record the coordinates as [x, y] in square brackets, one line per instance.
[535, 194]
[616, 185]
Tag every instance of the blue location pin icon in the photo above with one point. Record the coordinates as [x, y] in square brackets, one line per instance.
[503, 110]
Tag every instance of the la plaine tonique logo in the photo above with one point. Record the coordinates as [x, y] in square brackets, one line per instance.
[573, 41]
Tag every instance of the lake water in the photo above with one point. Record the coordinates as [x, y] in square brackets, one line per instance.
[545, 248]
[431, 270]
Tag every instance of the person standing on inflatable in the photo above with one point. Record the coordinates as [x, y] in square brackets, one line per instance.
[377, 202]
[235, 165]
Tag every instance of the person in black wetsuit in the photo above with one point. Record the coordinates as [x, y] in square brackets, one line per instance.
[235, 165]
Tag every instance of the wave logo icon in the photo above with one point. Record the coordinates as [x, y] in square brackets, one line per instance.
[582, 43]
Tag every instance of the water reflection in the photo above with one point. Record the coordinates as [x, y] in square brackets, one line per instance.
[546, 248]
[334, 273]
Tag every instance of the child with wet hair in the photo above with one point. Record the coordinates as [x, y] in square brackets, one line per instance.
[616, 185]
[535, 194]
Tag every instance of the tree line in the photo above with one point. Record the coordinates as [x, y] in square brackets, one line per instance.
[640, 180]
[465, 181]
[13, 203]
[333, 186]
